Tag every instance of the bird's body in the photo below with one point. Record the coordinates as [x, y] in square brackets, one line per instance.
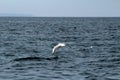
[57, 46]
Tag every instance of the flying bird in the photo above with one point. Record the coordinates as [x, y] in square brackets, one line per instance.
[57, 46]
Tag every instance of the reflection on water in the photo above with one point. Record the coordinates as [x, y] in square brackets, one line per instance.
[92, 48]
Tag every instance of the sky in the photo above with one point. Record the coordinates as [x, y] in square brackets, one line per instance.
[62, 8]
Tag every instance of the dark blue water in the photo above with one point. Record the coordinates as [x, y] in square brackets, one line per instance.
[92, 50]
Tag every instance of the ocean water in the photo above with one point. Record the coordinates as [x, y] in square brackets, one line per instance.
[92, 50]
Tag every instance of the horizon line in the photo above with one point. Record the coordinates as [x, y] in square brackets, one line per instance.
[62, 16]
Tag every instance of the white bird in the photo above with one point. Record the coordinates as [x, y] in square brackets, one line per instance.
[57, 46]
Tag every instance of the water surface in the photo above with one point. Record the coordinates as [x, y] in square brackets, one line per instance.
[92, 50]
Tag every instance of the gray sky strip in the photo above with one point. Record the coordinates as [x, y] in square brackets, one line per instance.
[61, 8]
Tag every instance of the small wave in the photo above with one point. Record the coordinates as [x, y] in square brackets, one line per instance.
[36, 58]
